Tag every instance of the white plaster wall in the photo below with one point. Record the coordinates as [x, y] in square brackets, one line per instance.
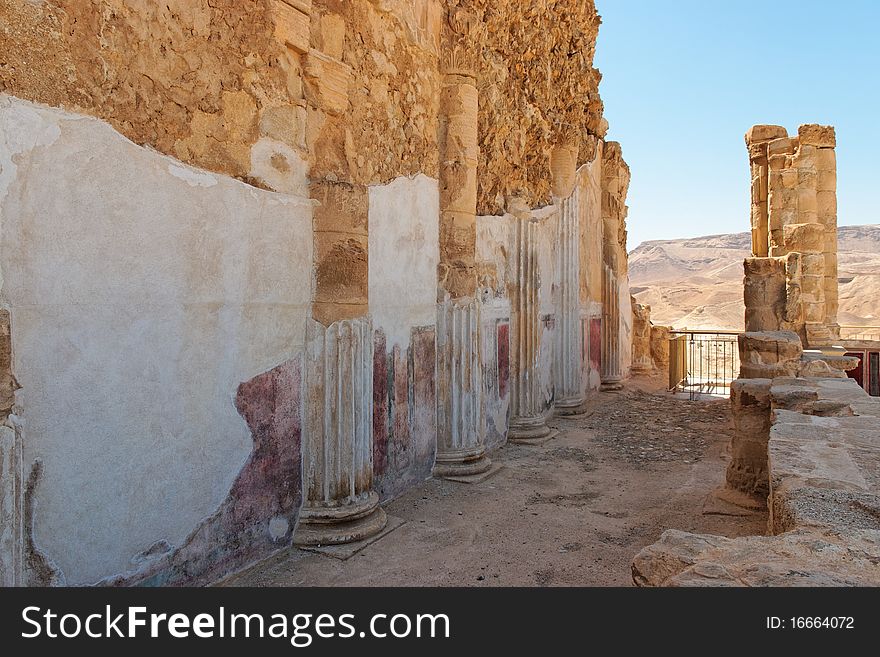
[142, 293]
[404, 254]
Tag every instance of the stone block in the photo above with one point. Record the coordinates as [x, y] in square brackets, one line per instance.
[341, 271]
[285, 123]
[788, 178]
[805, 238]
[807, 201]
[826, 159]
[821, 136]
[341, 207]
[292, 25]
[826, 181]
[330, 37]
[326, 82]
[826, 204]
[759, 133]
[812, 263]
[769, 347]
[782, 146]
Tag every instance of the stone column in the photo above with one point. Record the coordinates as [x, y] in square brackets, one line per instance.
[340, 504]
[460, 431]
[11, 513]
[612, 378]
[824, 140]
[615, 182]
[641, 343]
[758, 139]
[12, 562]
[461, 447]
[528, 422]
[568, 356]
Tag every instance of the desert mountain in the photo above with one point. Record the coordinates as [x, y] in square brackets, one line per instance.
[697, 282]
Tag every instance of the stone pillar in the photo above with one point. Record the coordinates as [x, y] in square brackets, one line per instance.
[641, 344]
[612, 378]
[460, 431]
[824, 140]
[568, 355]
[764, 293]
[528, 422]
[615, 182]
[747, 471]
[12, 566]
[12, 570]
[757, 142]
[340, 503]
[461, 447]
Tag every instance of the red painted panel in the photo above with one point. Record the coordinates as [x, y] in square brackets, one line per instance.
[858, 373]
[595, 342]
[503, 337]
[380, 404]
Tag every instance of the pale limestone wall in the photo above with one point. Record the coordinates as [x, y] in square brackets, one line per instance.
[142, 293]
[404, 254]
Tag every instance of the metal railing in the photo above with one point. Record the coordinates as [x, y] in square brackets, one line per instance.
[703, 362]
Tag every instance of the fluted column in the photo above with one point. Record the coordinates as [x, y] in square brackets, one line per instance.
[11, 515]
[461, 447]
[612, 378]
[568, 357]
[527, 421]
[340, 505]
[460, 430]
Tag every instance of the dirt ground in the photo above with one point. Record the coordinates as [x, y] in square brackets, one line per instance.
[573, 511]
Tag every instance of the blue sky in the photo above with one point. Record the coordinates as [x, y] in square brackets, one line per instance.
[684, 79]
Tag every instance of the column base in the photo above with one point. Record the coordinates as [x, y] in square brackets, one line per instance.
[334, 525]
[461, 462]
[573, 406]
[528, 429]
[611, 384]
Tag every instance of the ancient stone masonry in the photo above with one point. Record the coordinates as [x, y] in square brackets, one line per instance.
[344, 246]
[805, 442]
[794, 222]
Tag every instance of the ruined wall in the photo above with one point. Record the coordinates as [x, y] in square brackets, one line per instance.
[533, 97]
[142, 294]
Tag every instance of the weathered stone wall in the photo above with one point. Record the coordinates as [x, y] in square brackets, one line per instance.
[143, 294]
[538, 89]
